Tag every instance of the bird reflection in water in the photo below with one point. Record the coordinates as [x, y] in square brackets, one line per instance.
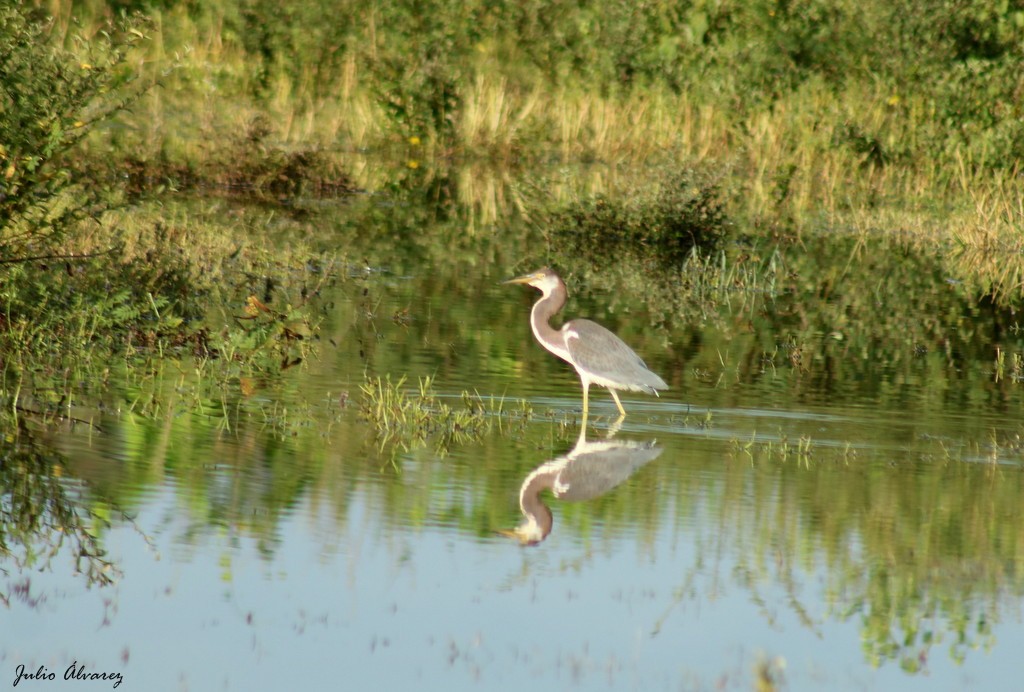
[587, 471]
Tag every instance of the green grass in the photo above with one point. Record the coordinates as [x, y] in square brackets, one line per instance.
[405, 419]
[780, 450]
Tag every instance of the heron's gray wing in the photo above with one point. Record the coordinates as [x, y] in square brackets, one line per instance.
[606, 358]
[593, 473]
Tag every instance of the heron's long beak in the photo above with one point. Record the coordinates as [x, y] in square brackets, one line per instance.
[525, 278]
[524, 537]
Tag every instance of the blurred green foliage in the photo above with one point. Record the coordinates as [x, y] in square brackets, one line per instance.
[953, 67]
[420, 63]
[666, 221]
[50, 99]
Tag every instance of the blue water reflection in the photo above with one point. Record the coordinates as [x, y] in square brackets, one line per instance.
[360, 602]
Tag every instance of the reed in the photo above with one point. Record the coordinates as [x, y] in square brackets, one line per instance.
[404, 419]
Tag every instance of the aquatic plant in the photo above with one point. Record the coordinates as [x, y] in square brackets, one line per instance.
[406, 420]
[779, 449]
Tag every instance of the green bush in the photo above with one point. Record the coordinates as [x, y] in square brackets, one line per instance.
[57, 291]
[50, 99]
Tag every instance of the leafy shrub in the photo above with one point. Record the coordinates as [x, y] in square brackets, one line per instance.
[50, 98]
[58, 293]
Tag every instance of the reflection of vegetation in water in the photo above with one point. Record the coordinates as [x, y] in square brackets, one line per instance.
[846, 312]
[44, 513]
[876, 321]
[923, 554]
[665, 222]
[238, 453]
[781, 508]
[882, 319]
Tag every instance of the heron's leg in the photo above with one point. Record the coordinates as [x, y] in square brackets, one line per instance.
[582, 439]
[622, 411]
[614, 427]
[586, 390]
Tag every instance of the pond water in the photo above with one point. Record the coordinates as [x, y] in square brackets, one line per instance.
[829, 495]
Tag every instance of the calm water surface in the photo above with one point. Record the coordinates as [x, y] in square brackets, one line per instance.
[831, 512]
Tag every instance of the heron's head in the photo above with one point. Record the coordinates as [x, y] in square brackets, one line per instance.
[527, 533]
[545, 280]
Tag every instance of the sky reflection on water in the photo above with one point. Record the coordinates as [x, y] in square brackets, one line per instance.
[362, 603]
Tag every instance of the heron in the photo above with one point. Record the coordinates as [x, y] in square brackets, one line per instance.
[598, 355]
[587, 471]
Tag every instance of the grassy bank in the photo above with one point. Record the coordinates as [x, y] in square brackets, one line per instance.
[863, 117]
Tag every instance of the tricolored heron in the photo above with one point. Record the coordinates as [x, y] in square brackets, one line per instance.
[599, 356]
[587, 471]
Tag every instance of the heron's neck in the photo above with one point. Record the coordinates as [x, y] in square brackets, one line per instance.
[543, 310]
[538, 515]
